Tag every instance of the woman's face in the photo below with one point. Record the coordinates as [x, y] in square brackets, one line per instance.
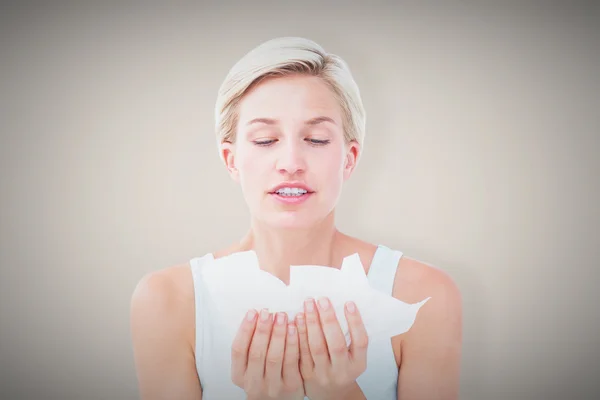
[290, 156]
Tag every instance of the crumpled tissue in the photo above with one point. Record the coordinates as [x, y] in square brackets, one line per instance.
[236, 284]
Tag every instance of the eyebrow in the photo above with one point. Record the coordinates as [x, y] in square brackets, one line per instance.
[271, 121]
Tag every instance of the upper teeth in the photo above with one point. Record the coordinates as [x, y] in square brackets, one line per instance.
[291, 191]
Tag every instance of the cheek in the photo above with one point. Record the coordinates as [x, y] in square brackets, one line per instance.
[337, 162]
[332, 169]
[251, 168]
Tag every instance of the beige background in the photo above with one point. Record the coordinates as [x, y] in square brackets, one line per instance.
[481, 158]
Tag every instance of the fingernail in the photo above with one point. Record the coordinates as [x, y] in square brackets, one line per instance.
[351, 307]
[264, 314]
[324, 303]
[291, 330]
[310, 305]
[250, 315]
[280, 318]
[300, 320]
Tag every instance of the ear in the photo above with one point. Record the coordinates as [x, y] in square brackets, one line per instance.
[228, 156]
[352, 153]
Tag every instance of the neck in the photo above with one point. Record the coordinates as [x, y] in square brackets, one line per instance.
[278, 248]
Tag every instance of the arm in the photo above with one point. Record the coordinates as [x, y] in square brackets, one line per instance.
[431, 350]
[161, 322]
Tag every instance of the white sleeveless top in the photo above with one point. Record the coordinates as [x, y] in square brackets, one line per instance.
[213, 354]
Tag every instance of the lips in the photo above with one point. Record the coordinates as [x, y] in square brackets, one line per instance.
[292, 185]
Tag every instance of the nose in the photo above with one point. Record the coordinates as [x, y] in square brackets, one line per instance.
[290, 158]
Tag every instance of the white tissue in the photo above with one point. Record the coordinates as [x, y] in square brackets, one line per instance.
[236, 283]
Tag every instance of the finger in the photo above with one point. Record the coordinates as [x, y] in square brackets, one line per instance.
[258, 349]
[274, 362]
[291, 358]
[307, 364]
[332, 331]
[240, 346]
[358, 335]
[316, 339]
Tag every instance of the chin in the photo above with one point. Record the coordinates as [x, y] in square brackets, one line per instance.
[291, 220]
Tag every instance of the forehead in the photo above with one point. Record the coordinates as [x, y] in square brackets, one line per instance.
[292, 97]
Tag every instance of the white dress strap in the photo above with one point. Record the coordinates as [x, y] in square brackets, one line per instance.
[380, 379]
[382, 271]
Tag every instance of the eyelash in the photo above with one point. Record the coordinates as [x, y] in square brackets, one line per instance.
[314, 142]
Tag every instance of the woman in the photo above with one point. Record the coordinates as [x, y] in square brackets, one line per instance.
[290, 126]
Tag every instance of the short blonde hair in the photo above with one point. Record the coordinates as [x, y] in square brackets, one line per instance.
[285, 56]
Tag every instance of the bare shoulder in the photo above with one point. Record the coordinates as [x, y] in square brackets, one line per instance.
[166, 296]
[416, 280]
[162, 332]
[167, 293]
[163, 301]
[438, 326]
[429, 354]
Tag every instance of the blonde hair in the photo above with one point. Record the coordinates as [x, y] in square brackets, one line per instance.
[286, 56]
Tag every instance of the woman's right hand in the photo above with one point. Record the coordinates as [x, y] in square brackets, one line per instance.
[265, 355]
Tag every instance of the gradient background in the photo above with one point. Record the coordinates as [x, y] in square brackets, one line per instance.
[481, 158]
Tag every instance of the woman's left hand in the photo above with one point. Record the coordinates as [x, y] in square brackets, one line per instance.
[329, 367]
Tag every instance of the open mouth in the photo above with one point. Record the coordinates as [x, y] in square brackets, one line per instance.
[291, 195]
[291, 192]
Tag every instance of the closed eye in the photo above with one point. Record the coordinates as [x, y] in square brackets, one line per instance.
[318, 142]
[264, 142]
[268, 142]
